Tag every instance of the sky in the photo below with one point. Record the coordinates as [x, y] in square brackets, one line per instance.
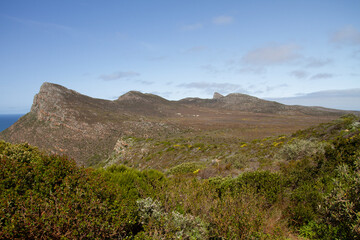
[295, 52]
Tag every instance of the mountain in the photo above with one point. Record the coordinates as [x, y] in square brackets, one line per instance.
[243, 102]
[63, 121]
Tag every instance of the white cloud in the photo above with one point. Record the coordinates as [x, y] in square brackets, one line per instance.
[235, 65]
[354, 92]
[322, 76]
[347, 99]
[315, 63]
[222, 20]
[346, 35]
[299, 74]
[119, 76]
[275, 87]
[146, 82]
[211, 87]
[192, 27]
[272, 54]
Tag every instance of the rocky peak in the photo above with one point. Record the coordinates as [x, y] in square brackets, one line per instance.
[240, 98]
[217, 95]
[132, 96]
[49, 102]
[136, 97]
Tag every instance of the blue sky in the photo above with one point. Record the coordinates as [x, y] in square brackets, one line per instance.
[296, 52]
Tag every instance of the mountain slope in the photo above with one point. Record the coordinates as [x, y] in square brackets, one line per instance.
[64, 121]
[243, 102]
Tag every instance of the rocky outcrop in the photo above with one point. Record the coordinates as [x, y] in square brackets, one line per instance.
[48, 103]
[217, 95]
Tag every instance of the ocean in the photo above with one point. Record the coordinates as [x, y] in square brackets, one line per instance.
[6, 120]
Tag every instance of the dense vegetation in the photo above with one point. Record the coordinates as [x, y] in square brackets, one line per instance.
[309, 188]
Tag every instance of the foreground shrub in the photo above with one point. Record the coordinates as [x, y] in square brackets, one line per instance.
[235, 214]
[342, 205]
[161, 225]
[270, 185]
[135, 184]
[319, 230]
[49, 197]
[300, 148]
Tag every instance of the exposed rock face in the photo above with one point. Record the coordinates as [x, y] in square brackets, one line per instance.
[62, 107]
[217, 95]
[50, 103]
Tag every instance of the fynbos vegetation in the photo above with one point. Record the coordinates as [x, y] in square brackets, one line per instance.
[305, 186]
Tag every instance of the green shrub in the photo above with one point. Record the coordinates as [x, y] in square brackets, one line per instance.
[300, 148]
[316, 230]
[270, 185]
[50, 197]
[344, 150]
[342, 205]
[174, 225]
[135, 184]
[184, 168]
[305, 201]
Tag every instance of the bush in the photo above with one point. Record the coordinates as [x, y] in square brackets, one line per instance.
[300, 148]
[50, 197]
[344, 150]
[161, 225]
[316, 230]
[135, 184]
[184, 168]
[270, 185]
[342, 205]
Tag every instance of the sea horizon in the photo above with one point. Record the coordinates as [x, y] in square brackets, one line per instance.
[6, 120]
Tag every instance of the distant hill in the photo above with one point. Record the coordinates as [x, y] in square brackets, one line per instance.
[243, 102]
[64, 121]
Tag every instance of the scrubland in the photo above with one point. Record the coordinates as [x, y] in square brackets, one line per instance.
[305, 185]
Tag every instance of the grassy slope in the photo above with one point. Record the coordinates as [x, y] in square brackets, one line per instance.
[218, 144]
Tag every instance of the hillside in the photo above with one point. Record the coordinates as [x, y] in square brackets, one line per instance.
[246, 103]
[64, 121]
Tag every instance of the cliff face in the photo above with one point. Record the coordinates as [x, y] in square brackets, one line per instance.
[63, 121]
[60, 107]
[51, 104]
[48, 98]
